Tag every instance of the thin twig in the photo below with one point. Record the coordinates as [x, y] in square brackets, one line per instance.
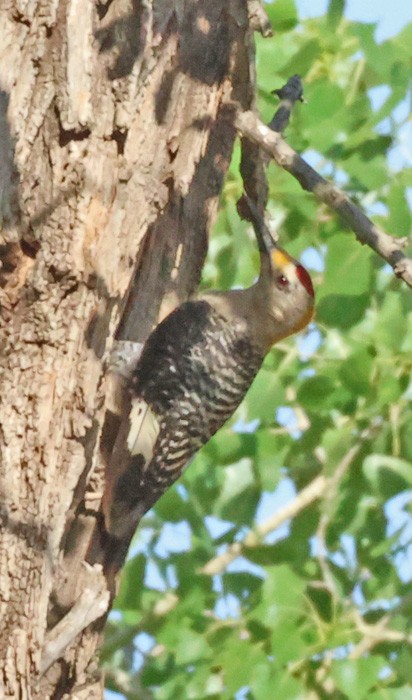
[310, 493]
[317, 488]
[375, 634]
[388, 247]
[324, 520]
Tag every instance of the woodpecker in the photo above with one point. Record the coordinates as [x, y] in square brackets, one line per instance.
[194, 371]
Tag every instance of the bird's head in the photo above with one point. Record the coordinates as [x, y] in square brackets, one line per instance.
[284, 284]
[288, 289]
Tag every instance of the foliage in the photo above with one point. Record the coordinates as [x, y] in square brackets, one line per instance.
[320, 607]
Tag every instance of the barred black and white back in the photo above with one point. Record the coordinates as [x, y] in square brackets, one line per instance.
[193, 373]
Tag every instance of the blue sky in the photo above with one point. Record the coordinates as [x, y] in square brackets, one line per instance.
[390, 16]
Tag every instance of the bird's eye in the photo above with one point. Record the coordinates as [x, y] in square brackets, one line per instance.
[282, 282]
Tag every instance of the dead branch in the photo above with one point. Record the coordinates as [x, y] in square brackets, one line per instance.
[388, 247]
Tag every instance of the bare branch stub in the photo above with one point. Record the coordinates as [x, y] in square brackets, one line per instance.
[289, 94]
[258, 19]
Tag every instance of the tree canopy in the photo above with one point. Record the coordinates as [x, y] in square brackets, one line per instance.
[280, 564]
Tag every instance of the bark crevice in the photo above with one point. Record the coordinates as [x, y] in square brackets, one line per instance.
[114, 147]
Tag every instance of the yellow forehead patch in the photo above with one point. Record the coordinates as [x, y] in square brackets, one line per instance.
[279, 258]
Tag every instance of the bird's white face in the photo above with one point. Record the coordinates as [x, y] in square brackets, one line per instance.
[292, 294]
[278, 304]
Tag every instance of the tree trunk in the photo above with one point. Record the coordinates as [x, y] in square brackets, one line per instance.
[115, 136]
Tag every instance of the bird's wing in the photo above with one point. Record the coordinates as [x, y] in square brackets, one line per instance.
[132, 452]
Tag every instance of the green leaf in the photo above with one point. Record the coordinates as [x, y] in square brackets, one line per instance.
[269, 683]
[367, 173]
[347, 269]
[239, 495]
[271, 453]
[228, 447]
[335, 13]
[355, 677]
[315, 392]
[399, 220]
[190, 647]
[374, 463]
[341, 311]
[391, 694]
[356, 371]
[282, 14]
[322, 125]
[390, 328]
[303, 58]
[282, 597]
[321, 599]
[129, 595]
[238, 661]
[266, 393]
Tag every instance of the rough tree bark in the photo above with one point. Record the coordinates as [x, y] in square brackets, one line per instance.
[115, 140]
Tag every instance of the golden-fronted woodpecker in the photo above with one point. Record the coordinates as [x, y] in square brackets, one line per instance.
[193, 372]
